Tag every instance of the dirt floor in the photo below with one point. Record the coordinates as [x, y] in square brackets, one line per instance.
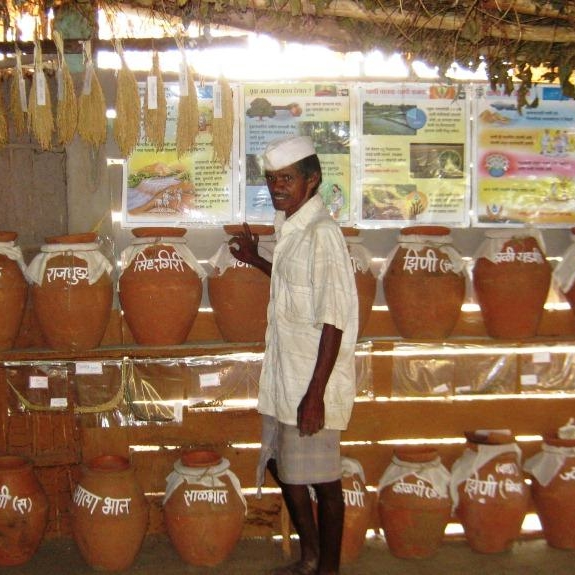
[258, 557]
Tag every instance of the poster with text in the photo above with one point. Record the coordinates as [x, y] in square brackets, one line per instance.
[525, 158]
[162, 189]
[318, 110]
[414, 155]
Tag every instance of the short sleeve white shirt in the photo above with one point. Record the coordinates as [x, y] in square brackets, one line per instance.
[312, 283]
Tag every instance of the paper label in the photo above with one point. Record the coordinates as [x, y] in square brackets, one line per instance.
[529, 379]
[541, 357]
[38, 382]
[89, 367]
[210, 379]
[152, 92]
[59, 402]
[40, 89]
[217, 101]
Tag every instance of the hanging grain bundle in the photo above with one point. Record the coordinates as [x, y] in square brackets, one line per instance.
[3, 120]
[67, 108]
[127, 122]
[155, 107]
[223, 122]
[188, 114]
[40, 116]
[18, 99]
[91, 105]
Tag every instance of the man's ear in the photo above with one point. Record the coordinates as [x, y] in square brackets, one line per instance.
[313, 180]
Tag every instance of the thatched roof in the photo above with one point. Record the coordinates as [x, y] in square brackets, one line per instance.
[503, 33]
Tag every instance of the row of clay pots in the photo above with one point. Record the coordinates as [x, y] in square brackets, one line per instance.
[160, 289]
[204, 511]
[160, 286]
[204, 508]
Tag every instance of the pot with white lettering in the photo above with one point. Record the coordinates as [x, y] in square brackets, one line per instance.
[511, 279]
[552, 471]
[490, 496]
[72, 291]
[564, 273]
[160, 286]
[365, 281]
[13, 289]
[204, 508]
[23, 511]
[414, 505]
[109, 513]
[239, 293]
[424, 283]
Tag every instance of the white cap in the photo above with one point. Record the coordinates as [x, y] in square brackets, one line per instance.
[284, 152]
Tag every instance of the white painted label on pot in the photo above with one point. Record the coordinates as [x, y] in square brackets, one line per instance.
[38, 382]
[73, 275]
[215, 496]
[510, 255]
[113, 506]
[354, 497]
[109, 506]
[420, 489]
[165, 260]
[568, 475]
[429, 262]
[89, 368]
[491, 487]
[20, 504]
[210, 379]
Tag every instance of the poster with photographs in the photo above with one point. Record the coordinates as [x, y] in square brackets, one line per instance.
[318, 110]
[161, 188]
[414, 155]
[525, 157]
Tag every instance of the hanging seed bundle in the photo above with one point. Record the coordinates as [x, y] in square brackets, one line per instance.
[18, 100]
[40, 117]
[187, 127]
[67, 107]
[223, 122]
[127, 122]
[91, 105]
[155, 107]
[3, 120]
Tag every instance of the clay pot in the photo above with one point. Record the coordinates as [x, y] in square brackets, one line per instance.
[414, 506]
[204, 508]
[23, 511]
[489, 492]
[511, 278]
[72, 292]
[365, 281]
[564, 273]
[13, 289]
[553, 490]
[160, 286]
[239, 293]
[424, 283]
[109, 514]
[358, 507]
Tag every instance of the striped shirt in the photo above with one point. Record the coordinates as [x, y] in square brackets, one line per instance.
[312, 283]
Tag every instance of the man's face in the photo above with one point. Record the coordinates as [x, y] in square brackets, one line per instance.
[289, 189]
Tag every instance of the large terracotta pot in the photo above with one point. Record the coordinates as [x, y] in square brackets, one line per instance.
[109, 514]
[424, 283]
[552, 471]
[511, 279]
[358, 506]
[239, 293]
[23, 511]
[414, 505]
[365, 281]
[72, 292]
[160, 286]
[204, 508]
[13, 289]
[564, 273]
[489, 492]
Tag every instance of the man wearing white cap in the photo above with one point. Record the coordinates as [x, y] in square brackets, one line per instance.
[307, 384]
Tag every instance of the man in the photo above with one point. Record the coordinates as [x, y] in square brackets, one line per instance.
[307, 384]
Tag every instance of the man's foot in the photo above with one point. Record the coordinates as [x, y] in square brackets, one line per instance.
[299, 568]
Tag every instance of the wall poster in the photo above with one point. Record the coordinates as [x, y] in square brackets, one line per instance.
[414, 155]
[162, 189]
[318, 110]
[525, 158]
